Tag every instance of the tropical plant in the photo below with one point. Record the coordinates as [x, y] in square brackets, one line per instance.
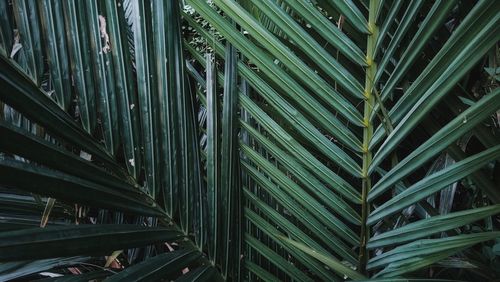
[270, 140]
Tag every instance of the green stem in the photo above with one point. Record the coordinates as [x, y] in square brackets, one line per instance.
[371, 70]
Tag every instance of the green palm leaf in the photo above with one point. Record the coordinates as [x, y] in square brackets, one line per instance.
[275, 140]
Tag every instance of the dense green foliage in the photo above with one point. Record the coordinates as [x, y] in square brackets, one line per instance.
[271, 140]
